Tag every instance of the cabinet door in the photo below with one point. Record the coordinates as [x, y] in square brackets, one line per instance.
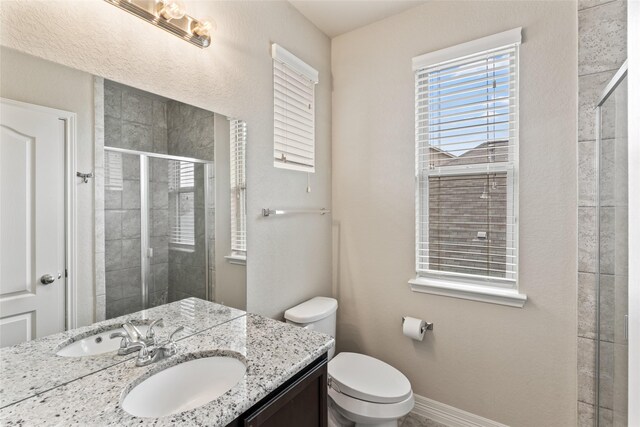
[303, 403]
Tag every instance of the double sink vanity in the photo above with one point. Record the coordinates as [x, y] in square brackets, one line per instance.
[190, 362]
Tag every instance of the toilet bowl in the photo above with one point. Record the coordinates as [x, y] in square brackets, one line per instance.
[362, 390]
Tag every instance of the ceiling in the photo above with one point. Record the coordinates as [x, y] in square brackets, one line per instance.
[339, 17]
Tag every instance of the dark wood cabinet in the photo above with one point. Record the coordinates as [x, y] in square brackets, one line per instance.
[301, 401]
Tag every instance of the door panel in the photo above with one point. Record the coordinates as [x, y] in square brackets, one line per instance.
[16, 329]
[32, 240]
[17, 161]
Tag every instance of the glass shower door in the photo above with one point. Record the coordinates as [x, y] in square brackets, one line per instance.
[123, 261]
[612, 297]
[179, 234]
[159, 222]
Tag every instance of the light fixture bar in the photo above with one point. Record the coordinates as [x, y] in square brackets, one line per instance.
[149, 10]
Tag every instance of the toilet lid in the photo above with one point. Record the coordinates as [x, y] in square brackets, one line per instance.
[366, 378]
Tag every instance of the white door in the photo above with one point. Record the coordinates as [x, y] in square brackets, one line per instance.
[32, 222]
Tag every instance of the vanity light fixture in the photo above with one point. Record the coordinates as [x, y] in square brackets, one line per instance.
[171, 16]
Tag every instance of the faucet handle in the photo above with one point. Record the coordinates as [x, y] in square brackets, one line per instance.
[118, 334]
[179, 329]
[170, 347]
[151, 331]
[124, 342]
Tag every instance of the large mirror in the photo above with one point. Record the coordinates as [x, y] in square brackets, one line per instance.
[151, 190]
[174, 202]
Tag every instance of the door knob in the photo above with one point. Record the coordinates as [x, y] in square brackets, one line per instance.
[47, 279]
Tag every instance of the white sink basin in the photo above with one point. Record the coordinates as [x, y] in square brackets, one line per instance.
[98, 343]
[183, 387]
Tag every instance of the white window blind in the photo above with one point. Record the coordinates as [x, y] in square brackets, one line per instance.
[294, 111]
[466, 162]
[112, 171]
[181, 175]
[182, 204]
[238, 188]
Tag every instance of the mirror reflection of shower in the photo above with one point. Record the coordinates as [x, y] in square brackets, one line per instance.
[159, 229]
[169, 226]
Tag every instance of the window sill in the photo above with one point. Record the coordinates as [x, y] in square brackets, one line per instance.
[185, 248]
[482, 293]
[236, 259]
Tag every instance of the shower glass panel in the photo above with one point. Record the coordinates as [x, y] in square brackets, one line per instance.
[158, 215]
[122, 234]
[612, 297]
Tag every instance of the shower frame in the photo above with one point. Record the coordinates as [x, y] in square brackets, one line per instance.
[145, 263]
[609, 89]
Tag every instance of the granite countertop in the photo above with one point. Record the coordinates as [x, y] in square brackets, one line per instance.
[33, 367]
[273, 352]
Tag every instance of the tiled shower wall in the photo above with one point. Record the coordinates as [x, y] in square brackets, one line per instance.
[191, 134]
[601, 51]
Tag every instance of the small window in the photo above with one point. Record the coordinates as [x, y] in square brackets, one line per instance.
[294, 111]
[238, 138]
[182, 204]
[112, 171]
[467, 164]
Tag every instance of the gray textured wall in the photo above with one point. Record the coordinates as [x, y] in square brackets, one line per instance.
[191, 133]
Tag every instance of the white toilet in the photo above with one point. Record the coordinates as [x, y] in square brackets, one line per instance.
[362, 390]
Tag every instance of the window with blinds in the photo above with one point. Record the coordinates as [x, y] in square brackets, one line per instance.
[112, 171]
[467, 161]
[182, 203]
[293, 111]
[238, 138]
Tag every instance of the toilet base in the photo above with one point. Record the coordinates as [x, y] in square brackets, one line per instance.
[393, 423]
[335, 419]
[339, 417]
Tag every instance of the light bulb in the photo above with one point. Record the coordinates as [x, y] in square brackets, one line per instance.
[204, 27]
[173, 9]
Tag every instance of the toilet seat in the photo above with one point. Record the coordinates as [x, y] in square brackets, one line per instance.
[367, 379]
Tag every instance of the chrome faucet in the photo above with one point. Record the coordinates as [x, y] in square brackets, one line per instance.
[125, 342]
[132, 335]
[148, 355]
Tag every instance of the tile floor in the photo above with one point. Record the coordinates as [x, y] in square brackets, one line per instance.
[413, 420]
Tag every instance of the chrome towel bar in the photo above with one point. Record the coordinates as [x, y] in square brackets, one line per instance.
[270, 212]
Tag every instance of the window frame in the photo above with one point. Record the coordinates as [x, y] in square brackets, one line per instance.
[238, 189]
[293, 140]
[113, 171]
[175, 195]
[504, 291]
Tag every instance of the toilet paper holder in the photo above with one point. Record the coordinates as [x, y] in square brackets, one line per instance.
[427, 327]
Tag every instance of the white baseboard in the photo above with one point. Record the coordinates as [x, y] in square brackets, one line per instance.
[448, 415]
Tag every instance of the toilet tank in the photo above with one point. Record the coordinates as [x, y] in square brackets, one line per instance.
[318, 314]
